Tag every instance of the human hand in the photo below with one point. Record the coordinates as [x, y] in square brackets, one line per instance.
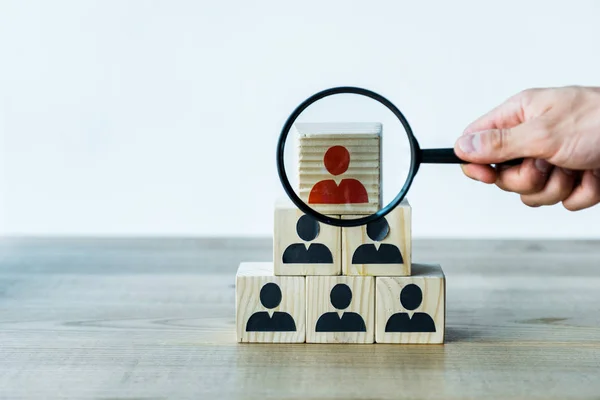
[556, 130]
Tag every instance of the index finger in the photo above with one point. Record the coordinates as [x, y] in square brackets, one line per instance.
[507, 115]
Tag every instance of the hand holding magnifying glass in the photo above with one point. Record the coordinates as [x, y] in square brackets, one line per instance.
[557, 130]
[412, 153]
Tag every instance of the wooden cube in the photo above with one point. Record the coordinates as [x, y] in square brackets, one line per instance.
[412, 309]
[339, 167]
[304, 246]
[269, 308]
[340, 309]
[380, 248]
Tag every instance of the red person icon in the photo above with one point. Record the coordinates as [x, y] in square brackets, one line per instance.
[337, 160]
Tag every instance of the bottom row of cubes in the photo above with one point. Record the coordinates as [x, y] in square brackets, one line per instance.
[340, 309]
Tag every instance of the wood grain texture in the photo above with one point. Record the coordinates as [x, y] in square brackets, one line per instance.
[399, 221]
[318, 303]
[363, 142]
[430, 279]
[285, 235]
[250, 280]
[154, 318]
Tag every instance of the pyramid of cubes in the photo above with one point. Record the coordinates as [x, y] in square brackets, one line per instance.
[328, 284]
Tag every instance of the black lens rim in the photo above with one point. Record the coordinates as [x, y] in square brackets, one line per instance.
[338, 222]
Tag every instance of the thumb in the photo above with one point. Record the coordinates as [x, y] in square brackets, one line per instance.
[499, 145]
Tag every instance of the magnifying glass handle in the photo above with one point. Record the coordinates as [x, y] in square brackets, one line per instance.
[448, 156]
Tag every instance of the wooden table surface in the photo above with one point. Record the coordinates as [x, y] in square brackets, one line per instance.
[154, 319]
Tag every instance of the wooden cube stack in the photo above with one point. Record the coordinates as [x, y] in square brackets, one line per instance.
[340, 285]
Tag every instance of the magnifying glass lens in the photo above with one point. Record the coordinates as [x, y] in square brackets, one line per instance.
[334, 157]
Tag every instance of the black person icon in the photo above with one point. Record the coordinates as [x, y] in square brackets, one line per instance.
[307, 229]
[340, 297]
[261, 321]
[386, 253]
[411, 297]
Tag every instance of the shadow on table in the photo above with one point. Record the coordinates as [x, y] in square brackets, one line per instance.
[348, 371]
[461, 334]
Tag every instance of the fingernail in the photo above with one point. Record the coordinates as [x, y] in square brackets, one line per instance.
[470, 143]
[567, 171]
[464, 170]
[542, 165]
[463, 167]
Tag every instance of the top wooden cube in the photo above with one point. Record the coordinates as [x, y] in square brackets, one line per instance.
[339, 166]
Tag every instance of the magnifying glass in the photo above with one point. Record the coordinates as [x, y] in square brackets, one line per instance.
[337, 161]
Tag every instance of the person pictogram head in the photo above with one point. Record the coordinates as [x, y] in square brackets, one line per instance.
[337, 160]
[411, 297]
[270, 295]
[340, 296]
[307, 228]
[378, 230]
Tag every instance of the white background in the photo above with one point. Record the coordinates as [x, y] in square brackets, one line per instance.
[161, 117]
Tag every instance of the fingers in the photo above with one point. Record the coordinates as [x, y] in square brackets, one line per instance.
[526, 179]
[481, 173]
[506, 115]
[541, 184]
[586, 194]
[530, 139]
[558, 188]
